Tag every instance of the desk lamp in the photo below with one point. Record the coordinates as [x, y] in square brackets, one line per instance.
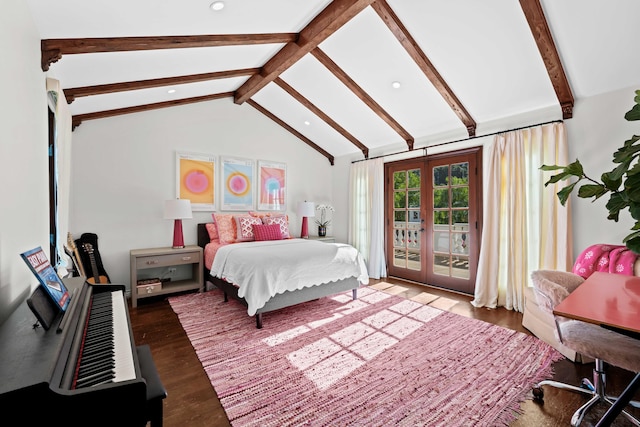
[306, 210]
[177, 210]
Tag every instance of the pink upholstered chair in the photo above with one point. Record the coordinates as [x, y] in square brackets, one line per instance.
[603, 345]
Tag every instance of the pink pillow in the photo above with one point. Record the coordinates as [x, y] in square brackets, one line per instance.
[226, 228]
[280, 220]
[244, 227]
[212, 230]
[267, 232]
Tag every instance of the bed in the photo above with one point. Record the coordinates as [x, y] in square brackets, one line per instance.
[277, 298]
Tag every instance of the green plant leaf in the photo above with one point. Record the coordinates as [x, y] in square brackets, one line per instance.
[632, 188]
[616, 203]
[551, 167]
[563, 195]
[633, 243]
[634, 210]
[575, 168]
[628, 151]
[591, 190]
[633, 114]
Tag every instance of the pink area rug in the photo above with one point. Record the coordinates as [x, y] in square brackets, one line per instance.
[381, 360]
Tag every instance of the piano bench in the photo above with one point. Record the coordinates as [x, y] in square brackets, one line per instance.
[155, 390]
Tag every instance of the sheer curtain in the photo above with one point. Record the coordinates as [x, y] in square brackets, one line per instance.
[525, 226]
[366, 214]
[62, 136]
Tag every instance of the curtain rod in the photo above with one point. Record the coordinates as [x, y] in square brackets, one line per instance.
[458, 140]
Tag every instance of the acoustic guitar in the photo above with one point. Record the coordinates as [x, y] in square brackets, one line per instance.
[75, 255]
[95, 277]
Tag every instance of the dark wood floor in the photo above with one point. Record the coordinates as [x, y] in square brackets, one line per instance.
[192, 401]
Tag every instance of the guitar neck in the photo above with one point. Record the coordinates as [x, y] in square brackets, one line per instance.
[94, 268]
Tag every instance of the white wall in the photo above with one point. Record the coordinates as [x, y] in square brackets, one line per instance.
[123, 168]
[24, 216]
[598, 128]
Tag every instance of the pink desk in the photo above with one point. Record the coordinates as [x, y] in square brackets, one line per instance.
[605, 299]
[613, 302]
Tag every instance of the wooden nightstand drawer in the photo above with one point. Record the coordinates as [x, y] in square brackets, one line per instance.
[167, 260]
[153, 288]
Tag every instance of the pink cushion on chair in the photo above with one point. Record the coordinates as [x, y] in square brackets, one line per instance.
[267, 232]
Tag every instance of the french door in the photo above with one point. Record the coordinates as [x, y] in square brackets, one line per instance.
[433, 217]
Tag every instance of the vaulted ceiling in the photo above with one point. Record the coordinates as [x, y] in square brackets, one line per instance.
[344, 76]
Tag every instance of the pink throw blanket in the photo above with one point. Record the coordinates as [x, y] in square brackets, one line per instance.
[606, 258]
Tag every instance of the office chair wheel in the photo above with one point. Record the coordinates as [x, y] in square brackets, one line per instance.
[538, 394]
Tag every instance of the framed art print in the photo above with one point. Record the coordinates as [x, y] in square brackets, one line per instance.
[272, 186]
[195, 180]
[237, 184]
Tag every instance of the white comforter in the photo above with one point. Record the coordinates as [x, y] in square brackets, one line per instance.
[264, 269]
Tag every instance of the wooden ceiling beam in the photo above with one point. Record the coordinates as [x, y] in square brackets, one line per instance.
[334, 16]
[541, 33]
[79, 118]
[72, 93]
[297, 134]
[53, 49]
[364, 96]
[401, 33]
[318, 112]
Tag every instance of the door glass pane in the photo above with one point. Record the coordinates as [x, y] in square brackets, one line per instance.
[414, 178]
[441, 218]
[460, 267]
[441, 176]
[399, 180]
[460, 197]
[407, 221]
[451, 220]
[441, 198]
[460, 174]
[414, 199]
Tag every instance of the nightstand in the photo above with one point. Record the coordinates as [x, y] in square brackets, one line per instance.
[326, 239]
[163, 259]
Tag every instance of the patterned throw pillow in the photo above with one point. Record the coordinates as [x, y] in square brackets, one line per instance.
[267, 232]
[244, 227]
[212, 230]
[226, 228]
[282, 221]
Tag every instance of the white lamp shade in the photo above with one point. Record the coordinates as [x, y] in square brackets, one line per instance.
[177, 209]
[307, 209]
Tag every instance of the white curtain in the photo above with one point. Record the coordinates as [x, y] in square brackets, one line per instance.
[366, 214]
[58, 104]
[525, 227]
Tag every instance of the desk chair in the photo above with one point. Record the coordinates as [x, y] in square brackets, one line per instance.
[603, 345]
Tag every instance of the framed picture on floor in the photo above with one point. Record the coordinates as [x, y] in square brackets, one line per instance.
[236, 183]
[272, 186]
[195, 180]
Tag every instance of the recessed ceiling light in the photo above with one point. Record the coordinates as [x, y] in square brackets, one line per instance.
[395, 85]
[217, 5]
[307, 122]
[171, 91]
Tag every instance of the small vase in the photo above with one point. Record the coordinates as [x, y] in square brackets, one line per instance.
[322, 231]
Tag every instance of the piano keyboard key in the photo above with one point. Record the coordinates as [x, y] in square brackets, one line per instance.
[107, 354]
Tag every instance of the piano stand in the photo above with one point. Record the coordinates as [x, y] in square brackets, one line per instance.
[155, 390]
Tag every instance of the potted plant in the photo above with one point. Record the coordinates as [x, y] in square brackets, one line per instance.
[622, 183]
[323, 222]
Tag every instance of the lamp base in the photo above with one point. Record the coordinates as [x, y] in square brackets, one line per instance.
[304, 233]
[178, 239]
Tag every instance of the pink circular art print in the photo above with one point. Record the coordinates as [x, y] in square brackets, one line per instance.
[196, 181]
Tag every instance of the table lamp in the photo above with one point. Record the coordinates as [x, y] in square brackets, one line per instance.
[306, 210]
[177, 210]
